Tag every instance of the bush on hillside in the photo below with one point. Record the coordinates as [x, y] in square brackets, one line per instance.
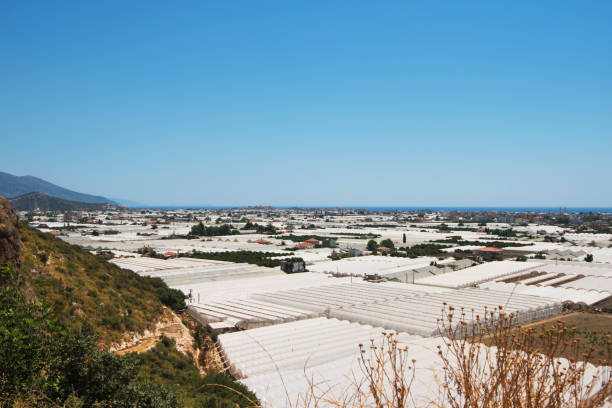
[51, 366]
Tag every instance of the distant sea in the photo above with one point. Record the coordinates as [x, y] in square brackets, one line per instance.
[465, 209]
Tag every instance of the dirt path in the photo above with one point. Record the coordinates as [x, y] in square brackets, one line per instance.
[170, 326]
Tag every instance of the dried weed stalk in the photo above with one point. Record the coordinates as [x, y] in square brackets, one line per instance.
[387, 376]
[491, 361]
[487, 361]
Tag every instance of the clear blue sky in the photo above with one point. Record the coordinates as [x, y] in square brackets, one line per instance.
[311, 103]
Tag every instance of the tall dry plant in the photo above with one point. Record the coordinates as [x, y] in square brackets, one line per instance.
[491, 361]
[386, 380]
[487, 361]
[387, 372]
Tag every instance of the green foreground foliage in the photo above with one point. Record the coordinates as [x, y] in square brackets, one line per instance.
[57, 313]
[167, 366]
[45, 364]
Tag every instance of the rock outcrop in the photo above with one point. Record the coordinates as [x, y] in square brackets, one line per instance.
[170, 326]
[10, 241]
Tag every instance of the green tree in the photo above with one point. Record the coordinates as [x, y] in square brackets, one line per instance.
[404, 238]
[147, 394]
[589, 258]
[372, 245]
[60, 366]
[387, 243]
[25, 328]
[94, 375]
[201, 230]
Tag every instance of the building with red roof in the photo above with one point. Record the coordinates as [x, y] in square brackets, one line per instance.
[304, 245]
[383, 249]
[314, 241]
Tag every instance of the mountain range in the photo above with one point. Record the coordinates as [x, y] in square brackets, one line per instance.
[44, 202]
[13, 186]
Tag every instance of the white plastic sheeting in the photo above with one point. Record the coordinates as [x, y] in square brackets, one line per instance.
[419, 314]
[577, 268]
[282, 363]
[186, 271]
[557, 281]
[242, 288]
[597, 283]
[146, 264]
[536, 247]
[411, 311]
[362, 265]
[603, 255]
[247, 313]
[559, 293]
[232, 271]
[477, 274]
[323, 298]
[293, 345]
[336, 377]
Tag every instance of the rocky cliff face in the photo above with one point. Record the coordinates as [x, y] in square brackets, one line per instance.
[10, 241]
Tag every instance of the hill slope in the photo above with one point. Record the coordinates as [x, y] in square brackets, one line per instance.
[82, 288]
[13, 186]
[44, 202]
[60, 305]
[10, 244]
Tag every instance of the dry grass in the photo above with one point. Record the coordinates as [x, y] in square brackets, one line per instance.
[518, 367]
[590, 329]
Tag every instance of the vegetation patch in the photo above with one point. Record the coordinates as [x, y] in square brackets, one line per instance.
[212, 231]
[251, 257]
[84, 289]
[165, 365]
[356, 235]
[591, 332]
[494, 244]
[422, 250]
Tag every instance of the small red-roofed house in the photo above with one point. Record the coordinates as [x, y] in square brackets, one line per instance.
[383, 250]
[304, 245]
[314, 241]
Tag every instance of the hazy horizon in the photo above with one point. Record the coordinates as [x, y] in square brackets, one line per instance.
[243, 103]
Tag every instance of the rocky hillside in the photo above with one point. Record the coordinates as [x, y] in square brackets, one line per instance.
[78, 331]
[10, 241]
[83, 288]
